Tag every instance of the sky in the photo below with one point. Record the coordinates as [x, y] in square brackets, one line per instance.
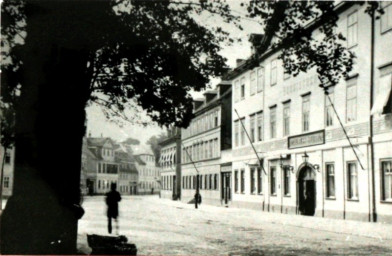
[98, 125]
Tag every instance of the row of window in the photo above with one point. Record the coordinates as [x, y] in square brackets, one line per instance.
[200, 151]
[148, 158]
[168, 182]
[202, 123]
[105, 184]
[256, 180]
[256, 84]
[256, 120]
[168, 157]
[154, 172]
[124, 189]
[107, 152]
[127, 176]
[208, 182]
[148, 184]
[107, 168]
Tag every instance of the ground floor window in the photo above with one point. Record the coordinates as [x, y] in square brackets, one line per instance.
[286, 179]
[242, 181]
[273, 180]
[259, 181]
[330, 180]
[386, 169]
[216, 181]
[352, 180]
[252, 180]
[236, 181]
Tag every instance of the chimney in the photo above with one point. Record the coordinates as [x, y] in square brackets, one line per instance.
[256, 41]
[239, 62]
[223, 86]
[197, 103]
[210, 95]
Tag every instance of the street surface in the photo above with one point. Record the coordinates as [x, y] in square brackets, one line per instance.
[164, 227]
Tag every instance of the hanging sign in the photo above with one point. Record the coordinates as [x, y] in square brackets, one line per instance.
[306, 140]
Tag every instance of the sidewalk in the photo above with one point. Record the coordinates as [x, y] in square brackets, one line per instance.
[380, 231]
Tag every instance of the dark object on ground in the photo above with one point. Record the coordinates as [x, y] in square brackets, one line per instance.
[108, 245]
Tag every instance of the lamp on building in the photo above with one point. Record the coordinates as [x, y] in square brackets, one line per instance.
[316, 167]
[305, 158]
[284, 167]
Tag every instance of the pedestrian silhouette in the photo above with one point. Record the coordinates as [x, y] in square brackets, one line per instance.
[112, 199]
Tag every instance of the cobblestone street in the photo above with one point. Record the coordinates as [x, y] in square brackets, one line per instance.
[164, 227]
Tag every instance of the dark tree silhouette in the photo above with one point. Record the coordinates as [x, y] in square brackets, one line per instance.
[151, 54]
[113, 53]
[154, 145]
[131, 141]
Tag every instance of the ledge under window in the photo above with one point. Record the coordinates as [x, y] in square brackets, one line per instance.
[331, 198]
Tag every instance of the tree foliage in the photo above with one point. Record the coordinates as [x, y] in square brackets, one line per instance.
[154, 144]
[291, 24]
[131, 141]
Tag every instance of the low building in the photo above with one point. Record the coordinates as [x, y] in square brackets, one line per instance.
[106, 167]
[127, 175]
[148, 171]
[170, 163]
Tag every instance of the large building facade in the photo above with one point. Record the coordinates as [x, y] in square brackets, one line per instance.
[202, 142]
[170, 162]
[304, 162]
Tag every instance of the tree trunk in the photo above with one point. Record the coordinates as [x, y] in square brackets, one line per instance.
[41, 216]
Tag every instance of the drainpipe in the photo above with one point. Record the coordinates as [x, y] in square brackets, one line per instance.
[374, 212]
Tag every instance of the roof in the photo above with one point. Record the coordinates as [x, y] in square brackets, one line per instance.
[263, 47]
[98, 142]
[139, 160]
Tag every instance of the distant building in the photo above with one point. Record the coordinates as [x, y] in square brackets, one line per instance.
[106, 171]
[207, 136]
[147, 170]
[8, 175]
[170, 162]
[127, 175]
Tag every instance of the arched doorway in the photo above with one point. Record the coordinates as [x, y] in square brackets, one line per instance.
[306, 190]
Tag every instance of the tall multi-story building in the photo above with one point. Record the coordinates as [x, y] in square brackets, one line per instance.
[170, 162]
[106, 171]
[306, 162]
[148, 171]
[208, 134]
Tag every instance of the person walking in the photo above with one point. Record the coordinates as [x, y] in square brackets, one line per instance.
[112, 199]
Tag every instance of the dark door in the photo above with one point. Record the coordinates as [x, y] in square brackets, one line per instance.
[307, 191]
[90, 186]
[226, 187]
[174, 188]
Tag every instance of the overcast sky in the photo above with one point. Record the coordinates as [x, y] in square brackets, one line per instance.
[97, 123]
